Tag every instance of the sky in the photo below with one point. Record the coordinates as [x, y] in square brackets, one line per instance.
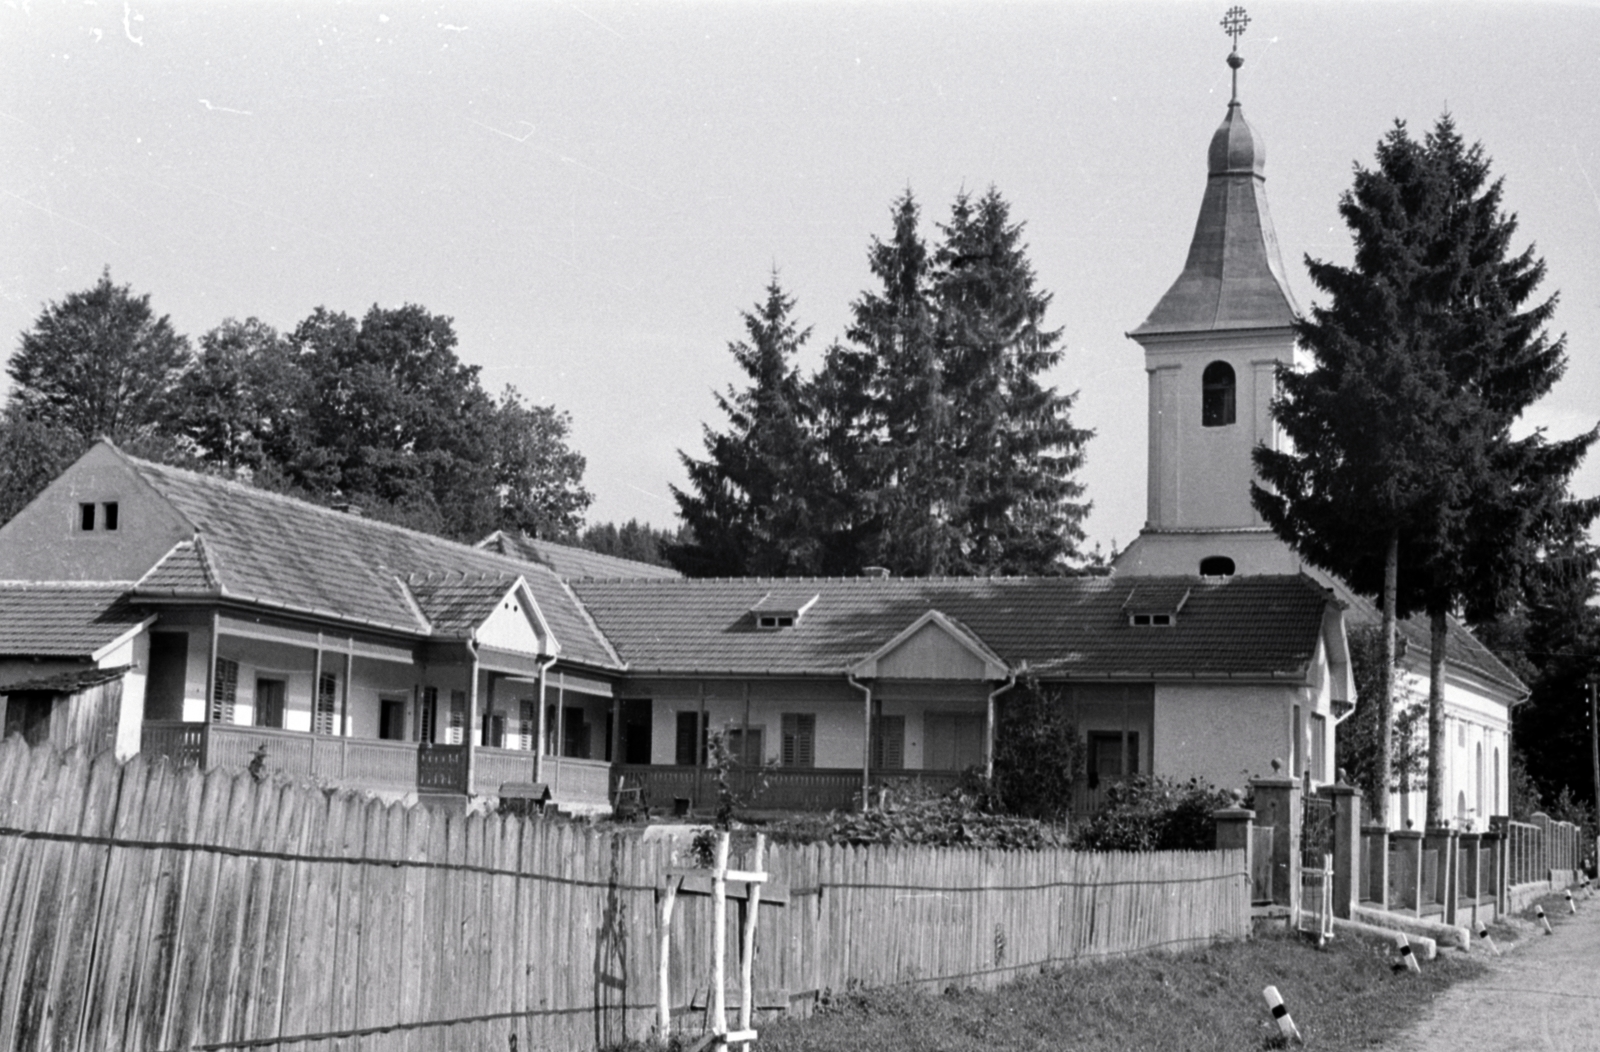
[594, 192]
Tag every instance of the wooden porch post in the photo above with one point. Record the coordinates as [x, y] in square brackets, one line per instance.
[211, 674]
[344, 692]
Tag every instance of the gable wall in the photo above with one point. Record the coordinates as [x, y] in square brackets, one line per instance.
[43, 542]
[930, 653]
[510, 627]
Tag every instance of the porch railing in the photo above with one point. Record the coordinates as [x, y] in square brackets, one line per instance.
[362, 762]
[496, 767]
[578, 781]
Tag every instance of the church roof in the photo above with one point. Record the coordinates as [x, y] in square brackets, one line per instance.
[1234, 276]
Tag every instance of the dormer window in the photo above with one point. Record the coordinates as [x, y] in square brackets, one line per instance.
[1217, 402]
[777, 610]
[1155, 603]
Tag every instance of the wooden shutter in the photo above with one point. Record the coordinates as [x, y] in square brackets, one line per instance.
[529, 724]
[428, 718]
[225, 690]
[799, 738]
[889, 743]
[458, 717]
[327, 693]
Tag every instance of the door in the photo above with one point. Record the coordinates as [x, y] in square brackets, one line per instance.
[269, 703]
[392, 719]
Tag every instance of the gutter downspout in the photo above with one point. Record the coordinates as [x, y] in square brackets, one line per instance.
[988, 730]
[539, 744]
[472, 715]
[866, 752]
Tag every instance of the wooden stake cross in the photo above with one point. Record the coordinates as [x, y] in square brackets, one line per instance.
[681, 879]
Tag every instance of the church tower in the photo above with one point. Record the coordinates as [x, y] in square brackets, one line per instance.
[1211, 347]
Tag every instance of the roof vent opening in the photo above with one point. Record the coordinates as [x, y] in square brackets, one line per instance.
[1216, 566]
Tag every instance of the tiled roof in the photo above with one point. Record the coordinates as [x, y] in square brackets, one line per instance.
[182, 571]
[270, 549]
[456, 603]
[569, 562]
[1241, 626]
[67, 620]
[68, 682]
[1462, 648]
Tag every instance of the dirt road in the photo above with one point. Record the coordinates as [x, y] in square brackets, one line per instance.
[1543, 995]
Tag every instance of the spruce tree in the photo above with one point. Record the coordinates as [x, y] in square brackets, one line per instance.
[1013, 450]
[1402, 477]
[747, 508]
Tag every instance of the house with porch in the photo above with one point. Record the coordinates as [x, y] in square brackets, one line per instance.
[244, 626]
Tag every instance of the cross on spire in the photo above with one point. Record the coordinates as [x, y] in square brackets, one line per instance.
[1234, 24]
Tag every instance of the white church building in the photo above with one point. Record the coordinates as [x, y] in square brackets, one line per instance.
[1212, 346]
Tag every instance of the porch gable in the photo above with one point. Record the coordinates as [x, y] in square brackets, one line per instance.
[933, 647]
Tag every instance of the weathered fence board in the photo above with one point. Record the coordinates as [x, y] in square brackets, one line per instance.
[156, 908]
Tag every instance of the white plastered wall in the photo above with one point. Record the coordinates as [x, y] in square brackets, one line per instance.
[1473, 718]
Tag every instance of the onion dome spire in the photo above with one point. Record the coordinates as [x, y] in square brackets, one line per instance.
[1234, 276]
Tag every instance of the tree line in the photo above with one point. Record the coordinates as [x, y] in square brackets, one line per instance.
[926, 443]
[378, 412]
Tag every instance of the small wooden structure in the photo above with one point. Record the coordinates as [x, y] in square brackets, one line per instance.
[693, 880]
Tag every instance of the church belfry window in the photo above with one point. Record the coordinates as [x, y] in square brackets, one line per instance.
[1217, 395]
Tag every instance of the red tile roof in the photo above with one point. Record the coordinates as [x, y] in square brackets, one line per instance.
[65, 620]
[1060, 627]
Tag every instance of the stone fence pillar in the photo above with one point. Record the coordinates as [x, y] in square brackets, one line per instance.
[1233, 832]
[1278, 805]
[1442, 841]
[1346, 847]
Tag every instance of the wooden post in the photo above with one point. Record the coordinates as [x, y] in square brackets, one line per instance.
[719, 937]
[748, 947]
[664, 941]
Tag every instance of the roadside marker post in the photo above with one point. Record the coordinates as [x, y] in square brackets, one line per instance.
[1572, 907]
[1280, 1012]
[1483, 933]
[1407, 958]
[1543, 919]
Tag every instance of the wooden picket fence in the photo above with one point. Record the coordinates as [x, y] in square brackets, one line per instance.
[149, 907]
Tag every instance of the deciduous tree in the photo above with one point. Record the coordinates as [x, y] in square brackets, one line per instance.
[98, 363]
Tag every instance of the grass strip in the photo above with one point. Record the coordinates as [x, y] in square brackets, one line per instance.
[1347, 996]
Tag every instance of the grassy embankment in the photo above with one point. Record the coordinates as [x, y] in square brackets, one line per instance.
[1346, 996]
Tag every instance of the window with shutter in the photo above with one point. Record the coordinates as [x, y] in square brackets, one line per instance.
[327, 694]
[458, 717]
[428, 718]
[224, 690]
[528, 723]
[799, 739]
[889, 742]
[747, 751]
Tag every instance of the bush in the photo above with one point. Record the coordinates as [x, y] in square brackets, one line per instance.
[954, 820]
[1148, 813]
[1038, 755]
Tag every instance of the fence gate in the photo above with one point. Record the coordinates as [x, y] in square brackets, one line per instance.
[1316, 865]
